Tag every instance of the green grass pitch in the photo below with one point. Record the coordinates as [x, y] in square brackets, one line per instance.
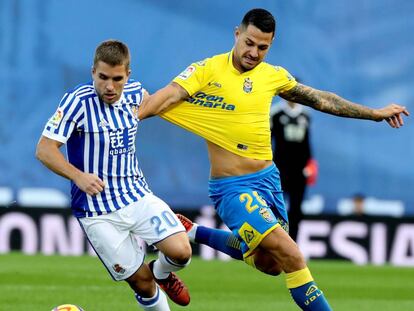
[42, 282]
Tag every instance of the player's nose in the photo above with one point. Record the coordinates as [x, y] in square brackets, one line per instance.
[254, 52]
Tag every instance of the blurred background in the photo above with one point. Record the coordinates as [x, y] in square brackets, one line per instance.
[362, 50]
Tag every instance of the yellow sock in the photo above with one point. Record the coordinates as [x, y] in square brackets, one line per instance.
[298, 278]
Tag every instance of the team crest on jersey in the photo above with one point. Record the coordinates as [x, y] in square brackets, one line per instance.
[187, 73]
[247, 85]
[266, 214]
[54, 121]
[134, 110]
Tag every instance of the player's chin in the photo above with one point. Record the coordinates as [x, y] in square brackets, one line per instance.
[110, 99]
[249, 65]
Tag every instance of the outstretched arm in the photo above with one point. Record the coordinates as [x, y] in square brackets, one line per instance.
[161, 100]
[333, 104]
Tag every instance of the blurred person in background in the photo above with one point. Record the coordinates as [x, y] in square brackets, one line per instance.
[292, 154]
[110, 197]
[226, 100]
[358, 200]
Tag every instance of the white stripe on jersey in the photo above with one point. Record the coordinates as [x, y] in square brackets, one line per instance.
[101, 140]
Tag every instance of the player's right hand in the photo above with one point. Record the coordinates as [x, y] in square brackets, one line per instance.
[89, 183]
[393, 115]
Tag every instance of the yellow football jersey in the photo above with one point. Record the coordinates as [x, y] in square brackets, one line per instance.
[229, 108]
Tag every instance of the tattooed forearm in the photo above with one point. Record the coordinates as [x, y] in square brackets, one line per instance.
[328, 102]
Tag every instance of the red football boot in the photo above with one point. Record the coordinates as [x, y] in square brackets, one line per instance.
[174, 287]
[187, 223]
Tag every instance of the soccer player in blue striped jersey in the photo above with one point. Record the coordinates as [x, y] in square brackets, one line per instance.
[98, 123]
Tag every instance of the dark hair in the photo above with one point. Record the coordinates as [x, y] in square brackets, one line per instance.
[112, 52]
[261, 19]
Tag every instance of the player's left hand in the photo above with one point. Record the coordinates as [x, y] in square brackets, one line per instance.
[393, 115]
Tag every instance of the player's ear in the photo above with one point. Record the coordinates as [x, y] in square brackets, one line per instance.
[93, 70]
[236, 32]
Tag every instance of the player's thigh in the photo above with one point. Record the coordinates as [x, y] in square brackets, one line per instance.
[114, 245]
[284, 250]
[160, 226]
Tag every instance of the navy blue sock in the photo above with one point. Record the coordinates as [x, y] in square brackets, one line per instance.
[305, 292]
[221, 240]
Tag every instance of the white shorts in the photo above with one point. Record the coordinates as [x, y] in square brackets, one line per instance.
[112, 235]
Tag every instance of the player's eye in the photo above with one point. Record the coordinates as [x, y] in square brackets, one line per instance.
[103, 77]
[117, 79]
[263, 47]
[249, 43]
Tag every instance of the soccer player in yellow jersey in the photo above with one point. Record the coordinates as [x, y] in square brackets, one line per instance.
[226, 100]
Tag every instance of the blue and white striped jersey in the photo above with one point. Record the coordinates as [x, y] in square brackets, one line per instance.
[100, 139]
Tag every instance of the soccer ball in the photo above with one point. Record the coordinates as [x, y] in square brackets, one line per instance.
[67, 308]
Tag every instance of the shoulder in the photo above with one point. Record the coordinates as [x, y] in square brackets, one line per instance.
[133, 87]
[82, 90]
[212, 62]
[277, 70]
[77, 94]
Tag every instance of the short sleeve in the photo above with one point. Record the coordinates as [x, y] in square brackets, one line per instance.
[194, 77]
[67, 116]
[285, 80]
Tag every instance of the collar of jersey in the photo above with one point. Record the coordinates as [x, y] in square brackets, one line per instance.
[234, 70]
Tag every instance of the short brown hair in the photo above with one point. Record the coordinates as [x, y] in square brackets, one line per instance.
[112, 52]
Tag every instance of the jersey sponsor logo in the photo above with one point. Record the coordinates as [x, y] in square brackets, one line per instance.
[247, 85]
[122, 141]
[210, 101]
[187, 73]
[54, 121]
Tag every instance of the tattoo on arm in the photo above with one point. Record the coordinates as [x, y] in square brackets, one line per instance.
[327, 102]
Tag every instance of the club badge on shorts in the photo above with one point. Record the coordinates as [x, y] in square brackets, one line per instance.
[265, 213]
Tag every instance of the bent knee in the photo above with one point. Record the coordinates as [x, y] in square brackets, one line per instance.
[182, 254]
